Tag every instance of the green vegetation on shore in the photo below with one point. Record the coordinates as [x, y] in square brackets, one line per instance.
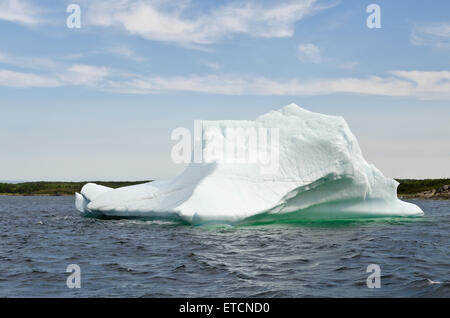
[54, 188]
[412, 186]
[407, 187]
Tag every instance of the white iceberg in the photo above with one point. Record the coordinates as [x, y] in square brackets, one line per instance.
[321, 174]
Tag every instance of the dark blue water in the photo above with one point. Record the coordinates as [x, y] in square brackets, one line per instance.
[40, 236]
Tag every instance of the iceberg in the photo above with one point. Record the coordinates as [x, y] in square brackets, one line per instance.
[320, 174]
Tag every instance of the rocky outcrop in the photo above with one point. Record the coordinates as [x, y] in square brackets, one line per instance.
[440, 193]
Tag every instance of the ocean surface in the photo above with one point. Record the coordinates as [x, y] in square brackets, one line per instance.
[41, 236]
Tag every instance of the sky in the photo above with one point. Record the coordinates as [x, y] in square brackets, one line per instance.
[99, 102]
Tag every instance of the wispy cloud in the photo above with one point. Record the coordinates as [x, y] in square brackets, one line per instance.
[126, 52]
[10, 78]
[80, 74]
[310, 53]
[44, 72]
[84, 75]
[435, 34]
[20, 11]
[349, 65]
[28, 62]
[212, 65]
[120, 50]
[166, 21]
[422, 85]
[417, 84]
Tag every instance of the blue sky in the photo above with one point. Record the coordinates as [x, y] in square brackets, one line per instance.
[100, 102]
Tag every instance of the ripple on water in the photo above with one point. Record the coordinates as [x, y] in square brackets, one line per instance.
[40, 236]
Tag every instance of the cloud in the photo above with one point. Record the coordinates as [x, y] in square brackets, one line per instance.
[126, 52]
[418, 84]
[348, 65]
[83, 75]
[212, 65]
[43, 72]
[21, 80]
[120, 50]
[309, 53]
[80, 74]
[435, 34]
[20, 11]
[427, 85]
[28, 62]
[165, 21]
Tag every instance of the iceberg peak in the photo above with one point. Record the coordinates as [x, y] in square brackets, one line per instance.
[292, 109]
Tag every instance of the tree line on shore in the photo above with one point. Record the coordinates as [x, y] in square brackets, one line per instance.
[407, 187]
[55, 188]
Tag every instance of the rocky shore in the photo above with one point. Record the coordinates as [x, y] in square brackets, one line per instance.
[442, 193]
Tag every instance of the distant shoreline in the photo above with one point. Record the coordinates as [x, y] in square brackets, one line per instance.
[45, 188]
[436, 189]
[433, 189]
